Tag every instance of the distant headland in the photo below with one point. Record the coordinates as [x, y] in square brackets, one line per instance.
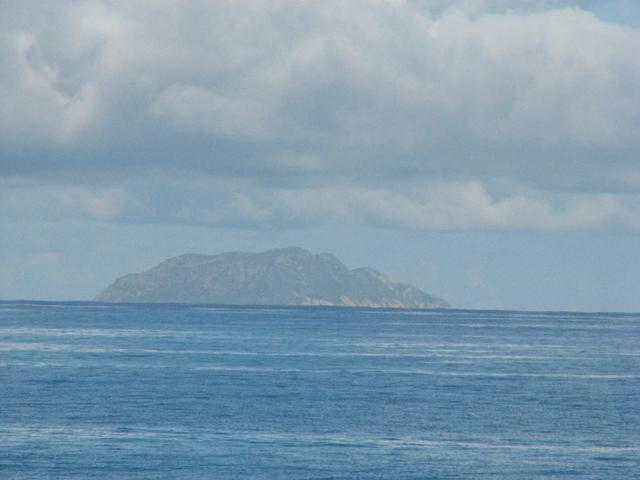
[288, 276]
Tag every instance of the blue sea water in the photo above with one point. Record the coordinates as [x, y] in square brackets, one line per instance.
[96, 391]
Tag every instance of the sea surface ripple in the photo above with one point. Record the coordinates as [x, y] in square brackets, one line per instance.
[98, 391]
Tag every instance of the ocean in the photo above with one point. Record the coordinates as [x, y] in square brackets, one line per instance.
[98, 391]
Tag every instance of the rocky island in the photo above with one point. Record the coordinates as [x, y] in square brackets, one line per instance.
[289, 276]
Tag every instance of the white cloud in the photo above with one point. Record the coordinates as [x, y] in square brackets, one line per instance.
[426, 206]
[103, 204]
[419, 205]
[199, 109]
[387, 73]
[301, 98]
[25, 200]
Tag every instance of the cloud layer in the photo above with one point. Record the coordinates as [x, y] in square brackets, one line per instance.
[435, 115]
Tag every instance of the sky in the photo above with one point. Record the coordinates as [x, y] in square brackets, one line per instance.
[486, 151]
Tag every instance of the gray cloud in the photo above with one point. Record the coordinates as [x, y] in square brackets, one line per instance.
[446, 114]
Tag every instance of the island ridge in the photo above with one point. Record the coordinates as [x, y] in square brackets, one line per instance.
[288, 276]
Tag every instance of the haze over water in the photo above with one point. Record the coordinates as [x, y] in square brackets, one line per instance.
[95, 391]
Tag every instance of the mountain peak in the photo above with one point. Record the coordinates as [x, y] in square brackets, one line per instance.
[285, 276]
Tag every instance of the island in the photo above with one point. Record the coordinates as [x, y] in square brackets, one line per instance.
[287, 276]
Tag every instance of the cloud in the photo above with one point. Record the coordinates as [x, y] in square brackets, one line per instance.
[104, 204]
[204, 111]
[439, 206]
[29, 200]
[446, 114]
[413, 206]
